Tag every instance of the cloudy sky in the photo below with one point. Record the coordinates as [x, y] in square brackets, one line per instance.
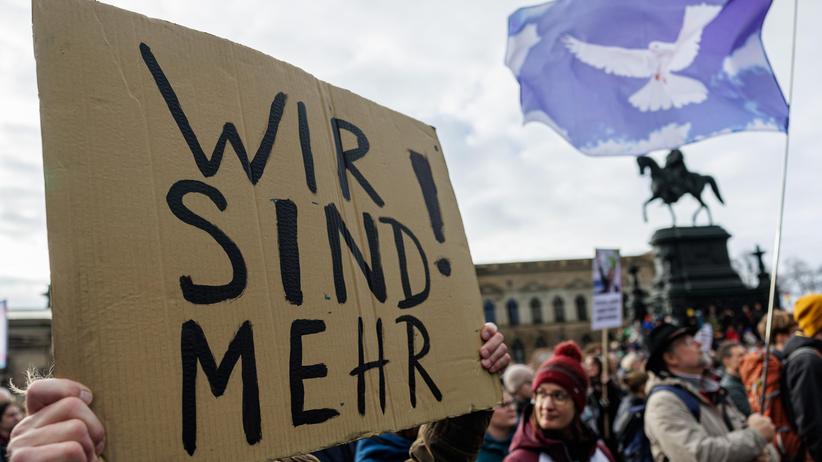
[524, 193]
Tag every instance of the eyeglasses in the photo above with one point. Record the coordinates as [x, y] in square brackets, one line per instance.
[558, 396]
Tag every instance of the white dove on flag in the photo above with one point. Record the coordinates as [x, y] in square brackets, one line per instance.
[664, 89]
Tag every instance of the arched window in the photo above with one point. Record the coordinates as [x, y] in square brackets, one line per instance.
[559, 309]
[582, 308]
[541, 343]
[488, 309]
[518, 351]
[513, 312]
[536, 311]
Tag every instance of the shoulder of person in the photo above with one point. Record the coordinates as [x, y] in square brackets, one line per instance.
[673, 403]
[664, 386]
[805, 356]
[663, 398]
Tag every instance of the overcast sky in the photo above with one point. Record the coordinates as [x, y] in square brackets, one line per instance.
[524, 193]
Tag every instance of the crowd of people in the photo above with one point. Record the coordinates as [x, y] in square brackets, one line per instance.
[670, 398]
[690, 392]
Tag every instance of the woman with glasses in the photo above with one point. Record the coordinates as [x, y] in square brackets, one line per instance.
[550, 429]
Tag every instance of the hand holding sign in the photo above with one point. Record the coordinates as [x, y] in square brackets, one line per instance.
[494, 352]
[61, 426]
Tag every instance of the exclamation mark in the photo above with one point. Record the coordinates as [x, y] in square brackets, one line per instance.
[429, 193]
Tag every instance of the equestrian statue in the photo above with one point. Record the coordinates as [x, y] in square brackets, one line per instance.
[674, 181]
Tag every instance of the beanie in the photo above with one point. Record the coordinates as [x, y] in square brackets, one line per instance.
[565, 369]
[515, 376]
[808, 314]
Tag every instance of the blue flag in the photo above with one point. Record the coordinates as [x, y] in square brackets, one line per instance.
[625, 77]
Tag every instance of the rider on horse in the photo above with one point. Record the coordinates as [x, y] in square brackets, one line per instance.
[674, 180]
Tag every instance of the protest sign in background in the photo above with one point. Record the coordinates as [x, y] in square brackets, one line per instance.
[606, 309]
[247, 262]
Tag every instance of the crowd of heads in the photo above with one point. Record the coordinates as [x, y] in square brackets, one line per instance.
[663, 391]
[572, 392]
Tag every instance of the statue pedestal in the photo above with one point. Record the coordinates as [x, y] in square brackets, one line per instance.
[694, 271]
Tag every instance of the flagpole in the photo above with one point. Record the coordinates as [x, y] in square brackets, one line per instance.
[778, 235]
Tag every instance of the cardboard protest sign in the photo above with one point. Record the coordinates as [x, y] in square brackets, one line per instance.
[247, 263]
[606, 309]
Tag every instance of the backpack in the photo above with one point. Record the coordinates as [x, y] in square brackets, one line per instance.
[786, 441]
[690, 401]
[633, 442]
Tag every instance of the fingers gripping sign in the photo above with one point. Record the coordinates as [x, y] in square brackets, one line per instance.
[493, 353]
[60, 425]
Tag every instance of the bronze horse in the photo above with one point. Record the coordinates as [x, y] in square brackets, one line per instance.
[673, 181]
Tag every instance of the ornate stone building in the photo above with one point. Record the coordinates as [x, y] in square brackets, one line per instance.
[29, 344]
[536, 304]
[539, 303]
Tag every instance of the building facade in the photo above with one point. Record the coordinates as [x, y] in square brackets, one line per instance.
[29, 347]
[537, 304]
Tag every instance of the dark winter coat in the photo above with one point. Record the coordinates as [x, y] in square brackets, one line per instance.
[736, 392]
[803, 380]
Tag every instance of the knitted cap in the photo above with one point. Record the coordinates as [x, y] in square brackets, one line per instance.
[808, 314]
[565, 369]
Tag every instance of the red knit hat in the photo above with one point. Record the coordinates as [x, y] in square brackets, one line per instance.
[565, 369]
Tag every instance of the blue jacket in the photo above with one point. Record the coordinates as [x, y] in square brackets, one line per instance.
[387, 447]
[494, 450]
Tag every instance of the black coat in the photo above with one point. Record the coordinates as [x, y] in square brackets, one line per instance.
[803, 378]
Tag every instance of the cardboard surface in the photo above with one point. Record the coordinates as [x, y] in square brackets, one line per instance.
[212, 297]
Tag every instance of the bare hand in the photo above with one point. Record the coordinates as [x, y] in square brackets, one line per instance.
[60, 426]
[493, 353]
[763, 425]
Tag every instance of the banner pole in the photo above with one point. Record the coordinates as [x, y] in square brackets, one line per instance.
[778, 235]
[605, 363]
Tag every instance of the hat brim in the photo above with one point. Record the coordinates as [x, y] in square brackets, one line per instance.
[655, 363]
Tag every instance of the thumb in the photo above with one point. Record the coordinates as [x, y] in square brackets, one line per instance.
[488, 330]
[44, 392]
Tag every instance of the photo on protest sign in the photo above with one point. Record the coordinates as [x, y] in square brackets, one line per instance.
[607, 290]
[247, 262]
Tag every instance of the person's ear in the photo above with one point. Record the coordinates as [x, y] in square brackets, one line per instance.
[669, 357]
